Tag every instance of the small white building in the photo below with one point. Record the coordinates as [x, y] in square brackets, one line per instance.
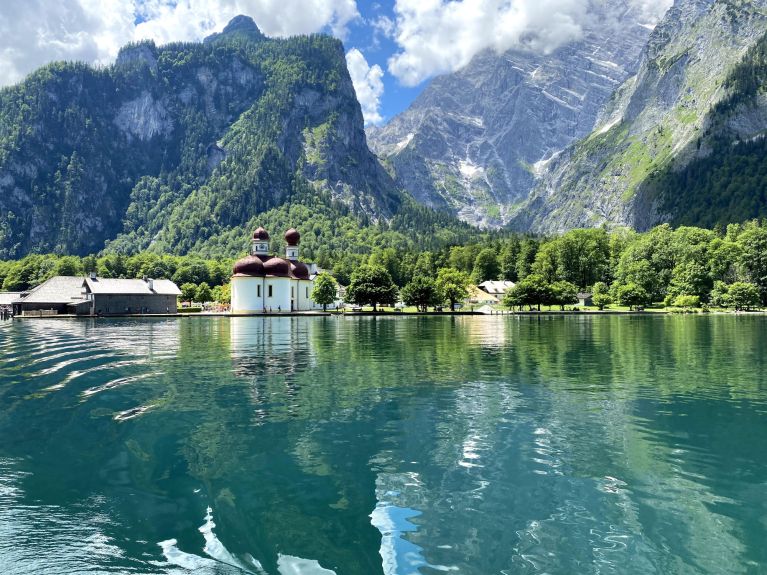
[265, 283]
[496, 288]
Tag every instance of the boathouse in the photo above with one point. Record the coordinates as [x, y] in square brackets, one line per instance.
[77, 295]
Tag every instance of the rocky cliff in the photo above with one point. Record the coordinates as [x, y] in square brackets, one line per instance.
[476, 140]
[173, 145]
[672, 143]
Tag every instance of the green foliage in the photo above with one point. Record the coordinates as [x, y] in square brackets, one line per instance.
[371, 285]
[203, 293]
[743, 296]
[600, 295]
[563, 293]
[421, 292]
[453, 285]
[324, 290]
[188, 291]
[686, 301]
[729, 182]
[534, 290]
[664, 262]
[486, 266]
[632, 295]
[222, 294]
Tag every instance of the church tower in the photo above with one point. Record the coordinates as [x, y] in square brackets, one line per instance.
[259, 244]
[293, 238]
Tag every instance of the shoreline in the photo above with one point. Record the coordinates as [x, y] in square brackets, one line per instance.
[545, 313]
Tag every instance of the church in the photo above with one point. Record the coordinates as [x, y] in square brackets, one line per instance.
[264, 283]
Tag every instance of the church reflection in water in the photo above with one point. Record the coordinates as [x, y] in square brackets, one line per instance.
[270, 345]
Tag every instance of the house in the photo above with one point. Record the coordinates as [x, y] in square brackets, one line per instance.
[496, 288]
[77, 295]
[58, 295]
[585, 299]
[109, 296]
[481, 297]
[262, 282]
[6, 303]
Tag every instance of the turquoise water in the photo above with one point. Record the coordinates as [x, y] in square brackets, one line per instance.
[474, 445]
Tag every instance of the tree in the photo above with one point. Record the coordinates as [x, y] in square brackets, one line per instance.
[754, 257]
[453, 285]
[324, 290]
[563, 293]
[188, 291]
[527, 252]
[203, 293]
[533, 290]
[507, 260]
[583, 256]
[371, 284]
[546, 262]
[421, 292]
[631, 294]
[719, 294]
[486, 266]
[600, 295]
[191, 271]
[69, 266]
[743, 296]
[690, 278]
[222, 293]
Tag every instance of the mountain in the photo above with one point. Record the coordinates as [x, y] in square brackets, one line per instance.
[173, 148]
[682, 141]
[475, 140]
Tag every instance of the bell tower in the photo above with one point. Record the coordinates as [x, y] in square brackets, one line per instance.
[293, 238]
[259, 244]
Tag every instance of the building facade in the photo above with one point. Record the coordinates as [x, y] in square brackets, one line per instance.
[75, 295]
[264, 283]
[108, 296]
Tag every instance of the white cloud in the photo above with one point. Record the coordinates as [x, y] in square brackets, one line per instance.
[368, 84]
[437, 36]
[34, 32]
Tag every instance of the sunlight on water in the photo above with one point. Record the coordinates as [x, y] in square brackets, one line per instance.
[396, 446]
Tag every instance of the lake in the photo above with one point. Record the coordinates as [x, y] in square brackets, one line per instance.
[409, 445]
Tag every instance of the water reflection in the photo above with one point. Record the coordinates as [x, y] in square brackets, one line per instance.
[384, 445]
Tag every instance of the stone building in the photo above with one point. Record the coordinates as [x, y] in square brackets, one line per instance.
[268, 283]
[92, 295]
[128, 296]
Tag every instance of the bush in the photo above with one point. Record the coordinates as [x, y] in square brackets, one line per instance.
[189, 310]
[687, 301]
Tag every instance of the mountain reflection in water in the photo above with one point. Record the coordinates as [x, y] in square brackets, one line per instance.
[383, 445]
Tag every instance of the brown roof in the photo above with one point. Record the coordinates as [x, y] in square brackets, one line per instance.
[260, 234]
[292, 237]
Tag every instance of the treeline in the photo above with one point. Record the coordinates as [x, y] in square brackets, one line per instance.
[34, 269]
[686, 266]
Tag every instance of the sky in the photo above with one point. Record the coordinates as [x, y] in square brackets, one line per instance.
[393, 47]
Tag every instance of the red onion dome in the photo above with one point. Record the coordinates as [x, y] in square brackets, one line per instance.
[299, 270]
[249, 266]
[292, 237]
[277, 267]
[261, 234]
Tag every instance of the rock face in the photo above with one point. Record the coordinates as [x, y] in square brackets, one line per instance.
[194, 136]
[671, 113]
[474, 141]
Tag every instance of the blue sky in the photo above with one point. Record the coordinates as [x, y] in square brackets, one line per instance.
[393, 47]
[377, 47]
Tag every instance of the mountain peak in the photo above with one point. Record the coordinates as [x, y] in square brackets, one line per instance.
[239, 25]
